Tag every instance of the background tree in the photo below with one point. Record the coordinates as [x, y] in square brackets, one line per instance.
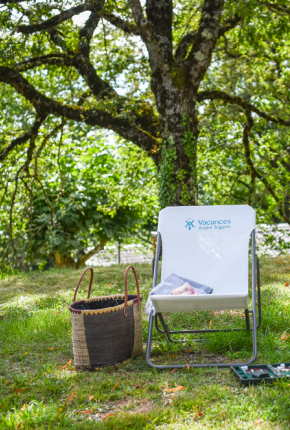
[87, 192]
[214, 92]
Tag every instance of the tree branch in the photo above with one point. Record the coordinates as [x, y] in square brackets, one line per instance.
[229, 24]
[190, 37]
[126, 26]
[50, 60]
[82, 63]
[141, 129]
[10, 1]
[31, 134]
[54, 36]
[199, 57]
[137, 12]
[159, 14]
[52, 22]
[220, 95]
[183, 46]
[276, 8]
[81, 261]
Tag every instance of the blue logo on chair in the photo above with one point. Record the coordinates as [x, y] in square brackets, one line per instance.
[189, 223]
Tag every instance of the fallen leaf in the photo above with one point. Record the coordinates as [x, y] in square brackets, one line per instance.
[111, 414]
[284, 336]
[199, 413]
[51, 349]
[187, 365]
[171, 355]
[173, 390]
[115, 386]
[86, 379]
[210, 323]
[287, 284]
[258, 422]
[72, 396]
[89, 411]
[91, 397]
[174, 370]
[66, 365]
[188, 351]
[22, 389]
[24, 406]
[19, 425]
[137, 386]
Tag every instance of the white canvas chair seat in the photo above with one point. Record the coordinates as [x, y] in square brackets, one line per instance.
[205, 302]
[210, 246]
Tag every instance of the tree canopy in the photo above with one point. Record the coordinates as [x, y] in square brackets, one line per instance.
[201, 86]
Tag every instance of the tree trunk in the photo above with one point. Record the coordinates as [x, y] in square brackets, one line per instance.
[81, 261]
[66, 261]
[178, 160]
[63, 261]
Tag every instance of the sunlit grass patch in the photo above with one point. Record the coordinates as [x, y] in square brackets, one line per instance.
[39, 387]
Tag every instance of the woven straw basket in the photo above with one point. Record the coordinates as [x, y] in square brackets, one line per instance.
[108, 329]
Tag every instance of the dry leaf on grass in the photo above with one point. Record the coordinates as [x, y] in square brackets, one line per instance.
[137, 386]
[258, 422]
[174, 370]
[187, 365]
[171, 355]
[24, 406]
[287, 284]
[72, 396]
[198, 413]
[22, 389]
[210, 323]
[88, 411]
[66, 365]
[19, 425]
[51, 349]
[115, 386]
[91, 397]
[111, 414]
[285, 336]
[173, 390]
[86, 379]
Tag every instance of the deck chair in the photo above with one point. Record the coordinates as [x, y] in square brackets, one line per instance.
[210, 245]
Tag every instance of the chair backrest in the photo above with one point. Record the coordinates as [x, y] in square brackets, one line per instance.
[208, 244]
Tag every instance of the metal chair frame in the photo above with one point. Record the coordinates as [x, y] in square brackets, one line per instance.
[167, 332]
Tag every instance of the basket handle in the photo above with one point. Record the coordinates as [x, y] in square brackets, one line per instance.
[126, 289]
[81, 278]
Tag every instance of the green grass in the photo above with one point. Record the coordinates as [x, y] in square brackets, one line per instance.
[35, 345]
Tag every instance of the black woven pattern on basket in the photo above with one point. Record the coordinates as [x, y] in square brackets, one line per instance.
[109, 337]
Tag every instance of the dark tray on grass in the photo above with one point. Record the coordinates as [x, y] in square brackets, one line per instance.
[246, 377]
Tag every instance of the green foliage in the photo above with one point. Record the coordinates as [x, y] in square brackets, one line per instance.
[252, 62]
[82, 191]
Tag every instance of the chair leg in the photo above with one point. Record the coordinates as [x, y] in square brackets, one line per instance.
[180, 366]
[165, 328]
[247, 318]
[259, 293]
